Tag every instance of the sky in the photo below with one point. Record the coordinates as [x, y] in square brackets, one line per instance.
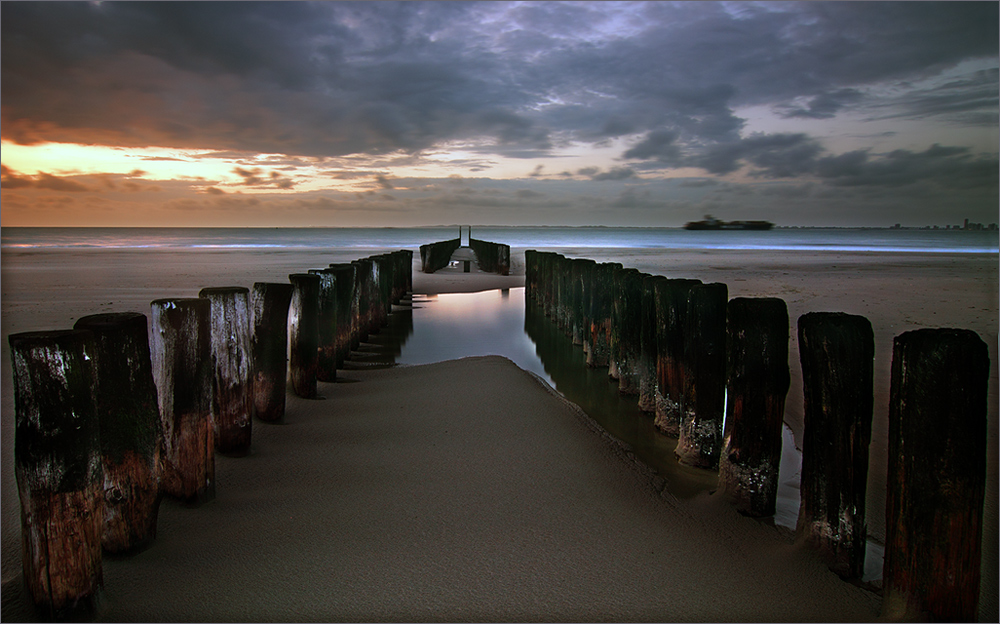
[499, 113]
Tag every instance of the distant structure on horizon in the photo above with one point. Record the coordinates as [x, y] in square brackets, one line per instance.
[711, 223]
[967, 226]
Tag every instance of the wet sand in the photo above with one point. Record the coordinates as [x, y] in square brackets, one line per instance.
[467, 490]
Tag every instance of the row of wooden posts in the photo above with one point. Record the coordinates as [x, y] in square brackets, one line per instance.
[491, 257]
[699, 361]
[113, 414]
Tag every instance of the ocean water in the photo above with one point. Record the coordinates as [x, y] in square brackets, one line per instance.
[794, 239]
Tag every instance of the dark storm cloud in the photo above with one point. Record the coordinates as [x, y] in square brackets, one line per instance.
[822, 106]
[948, 167]
[340, 78]
[972, 100]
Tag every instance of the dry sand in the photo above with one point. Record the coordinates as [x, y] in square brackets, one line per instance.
[467, 490]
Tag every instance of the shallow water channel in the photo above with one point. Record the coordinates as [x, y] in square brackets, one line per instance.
[451, 326]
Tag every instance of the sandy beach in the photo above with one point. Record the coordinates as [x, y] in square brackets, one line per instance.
[468, 490]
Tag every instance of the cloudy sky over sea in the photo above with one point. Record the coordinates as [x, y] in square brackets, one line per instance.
[538, 113]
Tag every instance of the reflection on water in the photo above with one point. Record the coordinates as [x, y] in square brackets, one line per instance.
[452, 326]
[497, 322]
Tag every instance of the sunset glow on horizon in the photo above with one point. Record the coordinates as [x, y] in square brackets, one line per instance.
[538, 113]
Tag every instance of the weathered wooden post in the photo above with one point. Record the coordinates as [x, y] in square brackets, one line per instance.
[563, 284]
[550, 292]
[269, 303]
[401, 263]
[385, 282]
[131, 439]
[629, 331]
[181, 352]
[57, 462]
[671, 315]
[837, 352]
[530, 275]
[303, 333]
[406, 264]
[588, 270]
[346, 275]
[357, 305]
[619, 306]
[326, 333]
[648, 335]
[700, 439]
[758, 380]
[577, 312]
[367, 301]
[602, 302]
[937, 475]
[233, 405]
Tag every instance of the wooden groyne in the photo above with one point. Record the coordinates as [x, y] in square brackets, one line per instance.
[436, 256]
[715, 355]
[491, 257]
[114, 414]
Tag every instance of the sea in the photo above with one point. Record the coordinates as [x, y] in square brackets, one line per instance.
[793, 239]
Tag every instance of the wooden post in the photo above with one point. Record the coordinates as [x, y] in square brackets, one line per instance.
[269, 305]
[326, 333]
[550, 285]
[232, 408]
[181, 352]
[407, 265]
[620, 307]
[303, 333]
[671, 320]
[577, 311]
[346, 287]
[758, 380]
[57, 462]
[131, 439]
[700, 440]
[588, 271]
[601, 302]
[367, 322]
[629, 330]
[357, 304]
[530, 275]
[562, 282]
[937, 475]
[648, 350]
[837, 352]
[383, 308]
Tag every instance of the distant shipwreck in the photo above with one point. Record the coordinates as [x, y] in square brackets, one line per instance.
[711, 223]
